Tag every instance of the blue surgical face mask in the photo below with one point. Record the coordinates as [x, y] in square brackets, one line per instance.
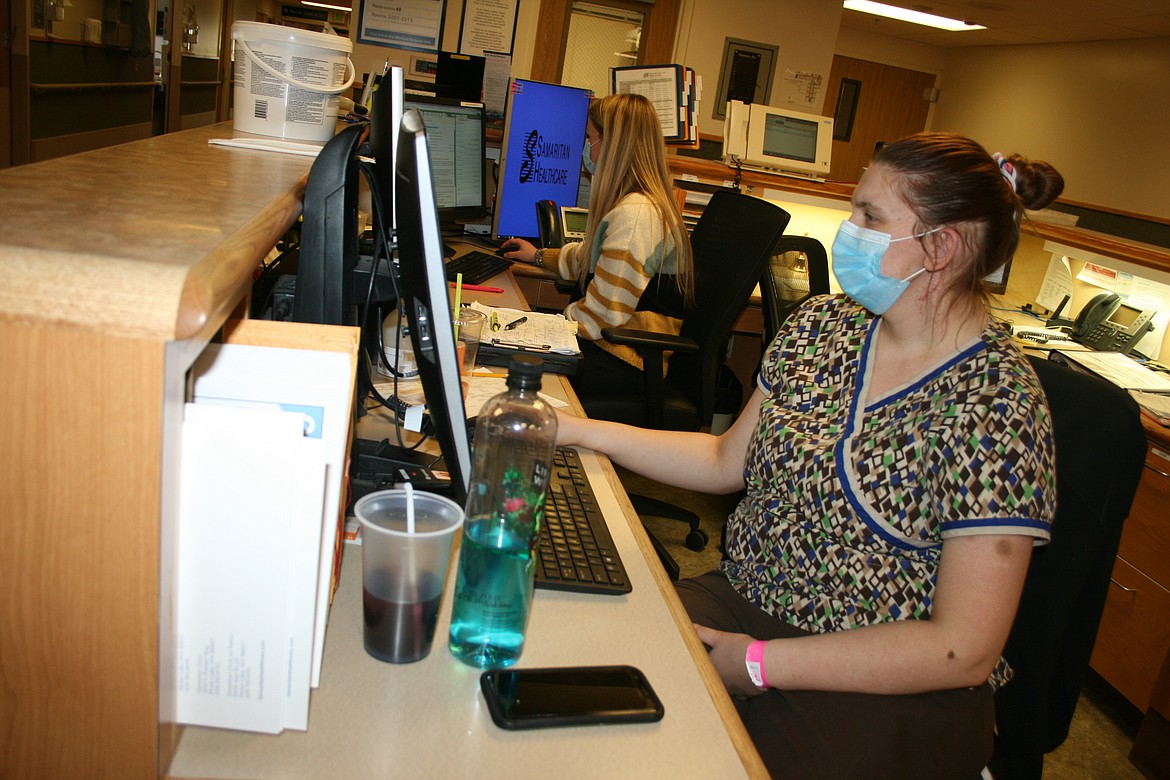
[585, 154]
[857, 264]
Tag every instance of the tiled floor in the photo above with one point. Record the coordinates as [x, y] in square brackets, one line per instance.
[1099, 739]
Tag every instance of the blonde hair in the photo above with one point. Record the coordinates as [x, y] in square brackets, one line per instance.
[632, 158]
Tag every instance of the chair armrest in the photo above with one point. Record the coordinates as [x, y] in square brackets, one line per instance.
[567, 286]
[648, 339]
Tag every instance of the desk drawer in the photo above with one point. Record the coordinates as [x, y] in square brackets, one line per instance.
[1134, 634]
[541, 293]
[1145, 538]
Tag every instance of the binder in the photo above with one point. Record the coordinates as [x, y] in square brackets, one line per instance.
[665, 86]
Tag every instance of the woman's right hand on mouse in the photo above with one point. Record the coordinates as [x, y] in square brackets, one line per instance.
[518, 249]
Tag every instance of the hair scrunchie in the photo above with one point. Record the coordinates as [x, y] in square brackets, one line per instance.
[1007, 169]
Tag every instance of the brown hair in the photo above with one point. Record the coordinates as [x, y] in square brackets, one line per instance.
[947, 179]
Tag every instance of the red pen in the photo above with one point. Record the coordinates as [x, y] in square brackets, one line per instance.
[478, 288]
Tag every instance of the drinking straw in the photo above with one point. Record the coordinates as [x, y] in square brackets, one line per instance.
[458, 301]
[409, 507]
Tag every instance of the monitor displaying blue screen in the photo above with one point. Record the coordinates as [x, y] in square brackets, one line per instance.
[544, 134]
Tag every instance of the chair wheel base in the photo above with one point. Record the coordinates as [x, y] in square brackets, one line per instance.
[696, 540]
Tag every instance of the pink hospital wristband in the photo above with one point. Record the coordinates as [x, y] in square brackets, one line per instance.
[754, 659]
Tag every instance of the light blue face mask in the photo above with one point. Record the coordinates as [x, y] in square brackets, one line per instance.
[857, 264]
[585, 152]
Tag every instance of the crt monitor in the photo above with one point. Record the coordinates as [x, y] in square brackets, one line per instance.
[540, 159]
[423, 286]
[455, 136]
[778, 140]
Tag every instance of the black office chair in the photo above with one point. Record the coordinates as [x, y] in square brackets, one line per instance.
[732, 242]
[1100, 452]
[799, 269]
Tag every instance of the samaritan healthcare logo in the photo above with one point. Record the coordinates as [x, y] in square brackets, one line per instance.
[544, 162]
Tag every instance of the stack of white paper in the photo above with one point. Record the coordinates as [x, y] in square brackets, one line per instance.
[263, 456]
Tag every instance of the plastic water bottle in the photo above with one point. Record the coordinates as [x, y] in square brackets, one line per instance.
[515, 436]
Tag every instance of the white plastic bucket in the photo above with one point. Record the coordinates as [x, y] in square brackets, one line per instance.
[287, 80]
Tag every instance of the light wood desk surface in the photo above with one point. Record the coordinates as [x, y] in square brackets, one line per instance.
[428, 719]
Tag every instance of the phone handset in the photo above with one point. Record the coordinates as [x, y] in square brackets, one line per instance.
[548, 222]
[1096, 312]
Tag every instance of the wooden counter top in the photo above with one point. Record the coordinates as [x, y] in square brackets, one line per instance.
[118, 240]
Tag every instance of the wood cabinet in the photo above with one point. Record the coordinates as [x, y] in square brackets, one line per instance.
[1134, 635]
[119, 265]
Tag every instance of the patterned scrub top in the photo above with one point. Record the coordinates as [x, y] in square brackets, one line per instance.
[847, 506]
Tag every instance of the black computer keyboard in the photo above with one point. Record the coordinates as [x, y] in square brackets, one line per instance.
[576, 552]
[476, 266]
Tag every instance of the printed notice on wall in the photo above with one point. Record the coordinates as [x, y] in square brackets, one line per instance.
[800, 88]
[488, 25]
[415, 25]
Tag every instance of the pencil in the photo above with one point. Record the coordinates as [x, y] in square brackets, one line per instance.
[480, 288]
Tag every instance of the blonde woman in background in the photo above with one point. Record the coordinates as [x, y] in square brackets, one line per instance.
[635, 265]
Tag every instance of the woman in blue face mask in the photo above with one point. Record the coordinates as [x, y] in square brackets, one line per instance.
[634, 266]
[897, 466]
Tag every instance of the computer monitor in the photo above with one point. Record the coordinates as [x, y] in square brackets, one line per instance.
[540, 158]
[385, 119]
[778, 140]
[423, 286]
[455, 135]
[459, 76]
[325, 260]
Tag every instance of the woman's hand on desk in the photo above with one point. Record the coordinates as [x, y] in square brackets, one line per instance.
[519, 249]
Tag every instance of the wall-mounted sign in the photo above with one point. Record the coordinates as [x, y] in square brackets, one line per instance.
[416, 25]
[488, 25]
[746, 74]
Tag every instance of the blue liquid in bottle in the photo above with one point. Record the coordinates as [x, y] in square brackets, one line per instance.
[515, 436]
[492, 596]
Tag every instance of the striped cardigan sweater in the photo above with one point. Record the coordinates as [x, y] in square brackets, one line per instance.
[630, 282]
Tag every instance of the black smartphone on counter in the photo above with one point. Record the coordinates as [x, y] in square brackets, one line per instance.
[569, 696]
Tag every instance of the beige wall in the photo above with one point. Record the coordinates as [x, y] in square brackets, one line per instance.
[1098, 111]
[805, 33]
[368, 58]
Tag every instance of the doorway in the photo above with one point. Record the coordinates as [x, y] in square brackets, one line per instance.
[192, 43]
[600, 37]
[886, 103]
[655, 38]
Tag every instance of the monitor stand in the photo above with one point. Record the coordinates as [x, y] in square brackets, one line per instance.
[380, 465]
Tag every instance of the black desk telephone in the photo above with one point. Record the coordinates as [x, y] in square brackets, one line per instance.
[1108, 325]
[558, 225]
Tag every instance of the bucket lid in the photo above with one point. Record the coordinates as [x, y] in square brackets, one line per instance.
[251, 31]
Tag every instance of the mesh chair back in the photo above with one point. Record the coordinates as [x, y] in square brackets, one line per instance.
[781, 293]
[732, 243]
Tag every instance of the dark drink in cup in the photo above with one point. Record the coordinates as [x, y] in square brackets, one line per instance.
[406, 546]
[397, 632]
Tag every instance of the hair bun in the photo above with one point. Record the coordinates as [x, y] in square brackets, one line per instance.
[1038, 184]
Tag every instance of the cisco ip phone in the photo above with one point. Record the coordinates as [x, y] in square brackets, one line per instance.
[1108, 325]
[559, 225]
